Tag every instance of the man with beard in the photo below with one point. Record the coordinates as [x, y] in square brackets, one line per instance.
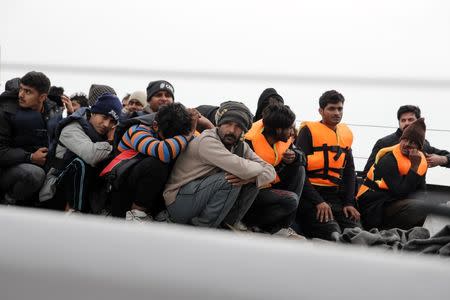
[327, 205]
[386, 198]
[83, 142]
[275, 207]
[216, 179]
[406, 115]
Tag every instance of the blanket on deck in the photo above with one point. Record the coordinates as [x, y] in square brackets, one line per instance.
[417, 239]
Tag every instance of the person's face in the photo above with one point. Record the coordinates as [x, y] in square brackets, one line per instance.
[124, 102]
[160, 98]
[407, 145]
[284, 134]
[134, 105]
[230, 133]
[29, 97]
[406, 119]
[332, 114]
[102, 123]
[76, 106]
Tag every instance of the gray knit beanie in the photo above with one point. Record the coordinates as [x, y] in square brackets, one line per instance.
[97, 90]
[232, 111]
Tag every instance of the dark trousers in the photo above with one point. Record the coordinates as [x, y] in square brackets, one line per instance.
[74, 186]
[21, 182]
[293, 179]
[272, 210]
[313, 228]
[403, 214]
[144, 186]
[276, 207]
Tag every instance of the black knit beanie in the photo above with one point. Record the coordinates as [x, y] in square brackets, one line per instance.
[159, 85]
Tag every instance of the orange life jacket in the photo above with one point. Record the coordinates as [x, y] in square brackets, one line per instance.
[403, 163]
[330, 149]
[270, 154]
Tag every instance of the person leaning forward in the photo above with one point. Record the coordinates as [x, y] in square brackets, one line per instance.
[327, 205]
[388, 196]
[215, 181]
[275, 207]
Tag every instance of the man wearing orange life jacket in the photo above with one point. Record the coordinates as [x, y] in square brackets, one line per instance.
[275, 207]
[327, 204]
[386, 198]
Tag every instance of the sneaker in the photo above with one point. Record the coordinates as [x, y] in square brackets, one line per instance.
[163, 217]
[289, 233]
[137, 216]
[8, 200]
[105, 213]
[72, 212]
[237, 227]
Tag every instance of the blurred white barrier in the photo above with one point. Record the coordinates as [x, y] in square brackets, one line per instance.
[45, 255]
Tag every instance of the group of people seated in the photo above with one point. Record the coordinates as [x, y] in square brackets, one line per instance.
[147, 158]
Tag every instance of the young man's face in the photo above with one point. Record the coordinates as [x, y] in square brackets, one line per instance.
[158, 99]
[102, 123]
[29, 97]
[284, 134]
[332, 113]
[134, 105]
[76, 106]
[407, 145]
[406, 119]
[230, 133]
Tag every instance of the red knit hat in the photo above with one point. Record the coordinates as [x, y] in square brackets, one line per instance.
[415, 132]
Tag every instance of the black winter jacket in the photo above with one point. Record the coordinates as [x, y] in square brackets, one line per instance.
[11, 150]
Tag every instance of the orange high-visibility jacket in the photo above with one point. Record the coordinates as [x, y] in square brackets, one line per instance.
[270, 154]
[403, 163]
[330, 149]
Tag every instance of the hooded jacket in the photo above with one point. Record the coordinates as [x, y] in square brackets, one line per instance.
[263, 102]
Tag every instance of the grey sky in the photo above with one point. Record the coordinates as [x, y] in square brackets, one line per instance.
[379, 54]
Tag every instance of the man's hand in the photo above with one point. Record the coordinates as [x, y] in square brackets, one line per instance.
[288, 156]
[236, 181]
[324, 213]
[435, 160]
[352, 213]
[195, 115]
[39, 157]
[205, 123]
[68, 104]
[110, 134]
[414, 157]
